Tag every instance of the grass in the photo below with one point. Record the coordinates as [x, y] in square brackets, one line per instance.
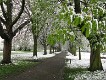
[1, 53]
[16, 52]
[69, 74]
[7, 70]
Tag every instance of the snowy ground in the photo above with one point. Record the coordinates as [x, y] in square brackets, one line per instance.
[84, 63]
[19, 55]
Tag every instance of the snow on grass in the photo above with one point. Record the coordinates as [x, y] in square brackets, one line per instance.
[76, 63]
[18, 56]
[84, 63]
[22, 55]
[30, 55]
[87, 75]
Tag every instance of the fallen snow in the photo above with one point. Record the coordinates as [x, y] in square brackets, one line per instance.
[84, 63]
[75, 62]
[30, 55]
[87, 75]
[21, 55]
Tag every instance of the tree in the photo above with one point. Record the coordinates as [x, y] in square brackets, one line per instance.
[91, 23]
[23, 40]
[72, 48]
[42, 11]
[7, 23]
[43, 38]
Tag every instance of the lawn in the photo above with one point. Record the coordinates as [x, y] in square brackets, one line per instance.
[22, 61]
[15, 69]
[71, 73]
[77, 70]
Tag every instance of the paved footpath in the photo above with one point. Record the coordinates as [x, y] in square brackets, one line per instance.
[48, 69]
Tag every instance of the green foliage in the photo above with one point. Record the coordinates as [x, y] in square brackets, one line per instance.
[51, 39]
[60, 35]
[93, 1]
[91, 21]
[86, 27]
[3, 1]
[42, 11]
[77, 21]
[94, 26]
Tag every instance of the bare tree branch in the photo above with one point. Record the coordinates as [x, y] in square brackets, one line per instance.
[3, 11]
[19, 14]
[2, 20]
[2, 32]
[20, 27]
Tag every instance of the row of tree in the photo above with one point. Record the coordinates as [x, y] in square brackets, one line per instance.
[54, 22]
[21, 16]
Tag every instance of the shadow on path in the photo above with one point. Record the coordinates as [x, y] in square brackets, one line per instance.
[48, 69]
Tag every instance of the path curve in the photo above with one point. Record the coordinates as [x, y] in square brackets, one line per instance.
[48, 69]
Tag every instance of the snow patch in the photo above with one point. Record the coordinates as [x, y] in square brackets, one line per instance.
[84, 63]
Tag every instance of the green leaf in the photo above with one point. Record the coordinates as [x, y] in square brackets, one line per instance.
[93, 1]
[86, 28]
[100, 11]
[83, 28]
[85, 9]
[77, 21]
[87, 32]
[94, 26]
[72, 38]
[95, 13]
[61, 16]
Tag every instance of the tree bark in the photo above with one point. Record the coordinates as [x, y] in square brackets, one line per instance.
[35, 45]
[7, 52]
[45, 49]
[77, 6]
[59, 47]
[95, 60]
[7, 34]
[72, 48]
[53, 49]
[79, 54]
[50, 50]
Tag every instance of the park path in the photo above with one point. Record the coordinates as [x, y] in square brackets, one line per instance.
[48, 69]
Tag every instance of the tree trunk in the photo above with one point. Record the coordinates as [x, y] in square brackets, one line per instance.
[53, 49]
[35, 45]
[95, 60]
[50, 50]
[7, 52]
[72, 48]
[45, 49]
[79, 54]
[77, 6]
[59, 47]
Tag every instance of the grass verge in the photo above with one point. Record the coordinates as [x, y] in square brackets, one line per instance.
[70, 73]
[21, 66]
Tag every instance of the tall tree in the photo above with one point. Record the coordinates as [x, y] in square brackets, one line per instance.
[42, 11]
[90, 20]
[43, 38]
[93, 37]
[7, 23]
